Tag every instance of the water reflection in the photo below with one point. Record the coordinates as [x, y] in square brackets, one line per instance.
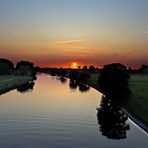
[52, 116]
[111, 120]
[82, 87]
[73, 84]
[62, 79]
[27, 87]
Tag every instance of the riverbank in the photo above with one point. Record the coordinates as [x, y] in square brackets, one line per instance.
[10, 82]
[137, 106]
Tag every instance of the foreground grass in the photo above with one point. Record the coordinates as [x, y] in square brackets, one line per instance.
[138, 103]
[8, 82]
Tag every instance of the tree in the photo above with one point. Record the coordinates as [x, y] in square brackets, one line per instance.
[79, 67]
[85, 67]
[23, 63]
[91, 68]
[83, 77]
[144, 68]
[113, 78]
[73, 75]
[25, 68]
[6, 67]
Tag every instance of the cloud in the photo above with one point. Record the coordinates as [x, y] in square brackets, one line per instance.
[74, 41]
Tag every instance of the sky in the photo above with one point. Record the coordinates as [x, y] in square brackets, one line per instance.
[56, 33]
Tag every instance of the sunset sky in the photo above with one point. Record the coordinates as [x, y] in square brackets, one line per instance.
[58, 32]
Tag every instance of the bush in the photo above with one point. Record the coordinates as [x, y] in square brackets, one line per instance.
[83, 77]
[73, 75]
[113, 78]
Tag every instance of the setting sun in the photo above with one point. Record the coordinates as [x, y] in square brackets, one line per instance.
[74, 64]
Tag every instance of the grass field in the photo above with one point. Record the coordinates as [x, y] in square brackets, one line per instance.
[138, 103]
[10, 81]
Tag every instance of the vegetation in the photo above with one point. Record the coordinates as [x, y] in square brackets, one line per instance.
[25, 68]
[6, 67]
[85, 67]
[9, 82]
[91, 68]
[138, 102]
[13, 77]
[113, 79]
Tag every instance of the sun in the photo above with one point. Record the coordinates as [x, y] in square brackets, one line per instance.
[74, 64]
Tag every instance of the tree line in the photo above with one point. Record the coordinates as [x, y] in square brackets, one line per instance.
[22, 68]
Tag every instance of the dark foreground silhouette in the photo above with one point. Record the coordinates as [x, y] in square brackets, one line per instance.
[114, 79]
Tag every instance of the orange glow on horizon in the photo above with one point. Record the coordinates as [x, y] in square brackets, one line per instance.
[63, 65]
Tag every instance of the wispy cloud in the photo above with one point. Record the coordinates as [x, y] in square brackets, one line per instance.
[74, 41]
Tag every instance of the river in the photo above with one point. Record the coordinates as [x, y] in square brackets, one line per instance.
[50, 114]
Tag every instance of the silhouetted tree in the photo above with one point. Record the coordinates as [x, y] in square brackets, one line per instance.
[91, 68]
[112, 120]
[61, 72]
[79, 67]
[73, 75]
[144, 68]
[113, 79]
[25, 68]
[53, 71]
[6, 67]
[83, 77]
[85, 67]
[129, 69]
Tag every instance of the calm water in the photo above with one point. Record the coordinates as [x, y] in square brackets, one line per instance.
[54, 116]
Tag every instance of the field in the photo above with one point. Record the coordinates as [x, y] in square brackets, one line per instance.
[138, 104]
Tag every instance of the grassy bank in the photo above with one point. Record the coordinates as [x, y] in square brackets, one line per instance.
[8, 82]
[138, 103]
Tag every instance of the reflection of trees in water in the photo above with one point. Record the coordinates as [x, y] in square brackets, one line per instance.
[82, 87]
[112, 120]
[26, 87]
[73, 84]
[62, 79]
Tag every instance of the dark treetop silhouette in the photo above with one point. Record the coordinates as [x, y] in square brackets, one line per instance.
[91, 68]
[25, 68]
[114, 79]
[6, 67]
